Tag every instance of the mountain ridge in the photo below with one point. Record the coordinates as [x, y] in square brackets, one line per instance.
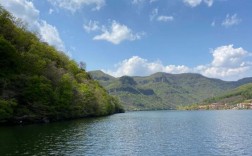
[164, 90]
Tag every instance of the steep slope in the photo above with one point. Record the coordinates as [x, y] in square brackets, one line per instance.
[41, 84]
[163, 90]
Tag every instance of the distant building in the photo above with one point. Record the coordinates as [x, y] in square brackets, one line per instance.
[244, 105]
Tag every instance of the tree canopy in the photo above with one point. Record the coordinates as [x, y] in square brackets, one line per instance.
[39, 83]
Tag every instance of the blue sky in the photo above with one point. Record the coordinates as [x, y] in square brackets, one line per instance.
[141, 37]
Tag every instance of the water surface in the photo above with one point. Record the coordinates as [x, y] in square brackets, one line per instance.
[136, 133]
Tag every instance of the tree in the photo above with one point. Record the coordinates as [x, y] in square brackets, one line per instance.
[82, 65]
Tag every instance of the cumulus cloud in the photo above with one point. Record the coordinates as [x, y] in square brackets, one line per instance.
[142, 67]
[117, 33]
[26, 11]
[231, 20]
[224, 73]
[194, 3]
[228, 63]
[74, 5]
[228, 56]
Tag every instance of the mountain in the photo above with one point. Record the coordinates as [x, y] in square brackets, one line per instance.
[163, 90]
[40, 84]
[232, 97]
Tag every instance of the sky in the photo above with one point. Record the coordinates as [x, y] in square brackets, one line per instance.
[142, 37]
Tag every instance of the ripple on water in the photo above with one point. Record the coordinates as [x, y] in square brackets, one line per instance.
[136, 133]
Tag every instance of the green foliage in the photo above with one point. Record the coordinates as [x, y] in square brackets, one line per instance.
[38, 89]
[233, 96]
[246, 91]
[9, 58]
[64, 90]
[6, 108]
[38, 83]
[189, 107]
[126, 80]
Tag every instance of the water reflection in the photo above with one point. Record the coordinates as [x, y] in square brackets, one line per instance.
[136, 133]
[43, 139]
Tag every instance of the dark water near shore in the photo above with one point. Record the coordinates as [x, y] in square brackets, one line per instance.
[136, 133]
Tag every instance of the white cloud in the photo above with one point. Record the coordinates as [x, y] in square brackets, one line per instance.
[26, 11]
[74, 5]
[165, 18]
[224, 73]
[161, 18]
[227, 56]
[231, 20]
[194, 3]
[91, 26]
[142, 67]
[176, 69]
[117, 33]
[228, 63]
[22, 9]
[51, 35]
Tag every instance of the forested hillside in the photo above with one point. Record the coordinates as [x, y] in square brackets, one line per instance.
[40, 84]
[163, 90]
[232, 97]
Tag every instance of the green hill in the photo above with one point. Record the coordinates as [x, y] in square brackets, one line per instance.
[232, 97]
[40, 84]
[163, 90]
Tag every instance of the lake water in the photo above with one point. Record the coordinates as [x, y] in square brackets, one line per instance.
[136, 133]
